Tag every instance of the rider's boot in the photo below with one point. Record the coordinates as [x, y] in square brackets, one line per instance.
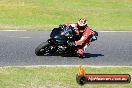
[80, 53]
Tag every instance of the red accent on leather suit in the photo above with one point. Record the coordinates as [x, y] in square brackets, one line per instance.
[84, 35]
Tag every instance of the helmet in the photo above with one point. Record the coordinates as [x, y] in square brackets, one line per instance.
[82, 22]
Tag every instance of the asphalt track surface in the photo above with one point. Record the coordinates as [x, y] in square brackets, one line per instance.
[111, 49]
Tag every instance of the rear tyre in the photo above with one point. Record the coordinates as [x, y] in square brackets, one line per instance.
[43, 49]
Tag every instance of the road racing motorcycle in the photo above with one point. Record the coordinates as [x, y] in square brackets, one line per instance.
[61, 42]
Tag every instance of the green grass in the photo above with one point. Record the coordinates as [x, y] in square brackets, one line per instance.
[44, 14]
[55, 77]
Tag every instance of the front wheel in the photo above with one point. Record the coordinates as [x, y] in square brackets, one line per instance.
[43, 49]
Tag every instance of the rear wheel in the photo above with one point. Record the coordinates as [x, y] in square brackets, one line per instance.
[43, 49]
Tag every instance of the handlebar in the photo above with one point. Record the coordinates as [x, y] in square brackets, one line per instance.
[67, 30]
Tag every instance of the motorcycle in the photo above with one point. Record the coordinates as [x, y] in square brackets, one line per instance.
[62, 42]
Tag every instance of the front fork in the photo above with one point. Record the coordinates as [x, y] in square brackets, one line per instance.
[53, 45]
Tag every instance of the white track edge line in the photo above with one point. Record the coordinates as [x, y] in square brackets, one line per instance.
[69, 66]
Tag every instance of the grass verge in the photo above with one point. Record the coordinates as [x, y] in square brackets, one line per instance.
[44, 14]
[55, 77]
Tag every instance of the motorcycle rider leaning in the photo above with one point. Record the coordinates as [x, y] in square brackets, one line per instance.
[84, 32]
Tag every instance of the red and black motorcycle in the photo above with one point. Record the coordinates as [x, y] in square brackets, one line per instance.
[62, 42]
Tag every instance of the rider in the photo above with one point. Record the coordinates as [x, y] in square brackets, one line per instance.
[83, 31]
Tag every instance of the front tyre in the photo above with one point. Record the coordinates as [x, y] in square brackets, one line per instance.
[43, 49]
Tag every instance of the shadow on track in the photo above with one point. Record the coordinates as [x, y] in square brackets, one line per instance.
[88, 55]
